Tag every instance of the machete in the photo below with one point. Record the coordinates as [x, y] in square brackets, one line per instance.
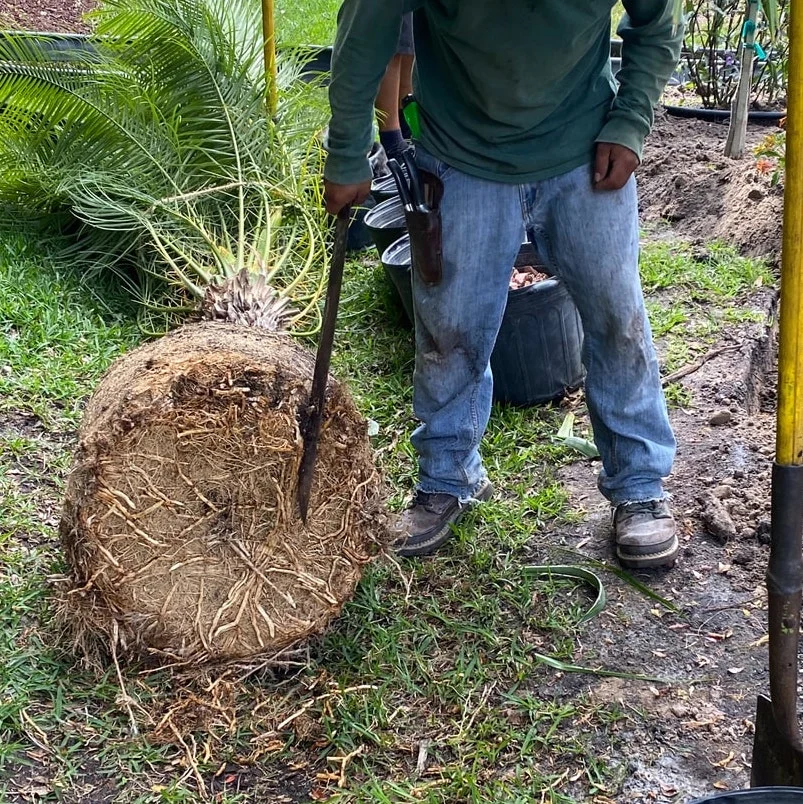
[313, 416]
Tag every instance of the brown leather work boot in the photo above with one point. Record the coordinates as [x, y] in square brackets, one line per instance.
[427, 523]
[645, 534]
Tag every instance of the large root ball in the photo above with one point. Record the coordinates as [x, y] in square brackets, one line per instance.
[181, 523]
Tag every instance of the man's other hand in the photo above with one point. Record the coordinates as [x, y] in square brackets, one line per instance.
[614, 166]
[337, 196]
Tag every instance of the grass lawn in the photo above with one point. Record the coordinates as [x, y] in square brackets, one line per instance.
[306, 22]
[431, 687]
[313, 22]
[427, 689]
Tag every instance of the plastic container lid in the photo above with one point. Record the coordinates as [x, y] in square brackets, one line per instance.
[758, 795]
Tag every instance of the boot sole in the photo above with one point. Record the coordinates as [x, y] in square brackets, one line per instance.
[666, 558]
[438, 539]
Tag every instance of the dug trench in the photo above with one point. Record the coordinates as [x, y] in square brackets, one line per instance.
[692, 735]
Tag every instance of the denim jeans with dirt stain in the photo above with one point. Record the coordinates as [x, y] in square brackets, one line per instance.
[590, 241]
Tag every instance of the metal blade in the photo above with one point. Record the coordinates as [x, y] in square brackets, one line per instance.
[777, 761]
[778, 746]
[311, 424]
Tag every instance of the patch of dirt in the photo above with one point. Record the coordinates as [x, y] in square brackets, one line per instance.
[686, 181]
[694, 734]
[58, 16]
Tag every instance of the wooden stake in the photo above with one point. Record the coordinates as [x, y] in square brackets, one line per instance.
[737, 133]
[269, 39]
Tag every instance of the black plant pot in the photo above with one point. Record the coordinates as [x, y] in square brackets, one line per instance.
[397, 262]
[359, 238]
[315, 61]
[55, 46]
[758, 795]
[384, 188]
[537, 356]
[538, 352]
[386, 224]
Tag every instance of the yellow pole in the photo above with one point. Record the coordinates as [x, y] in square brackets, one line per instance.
[269, 39]
[789, 447]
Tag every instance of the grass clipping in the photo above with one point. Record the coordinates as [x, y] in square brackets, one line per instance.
[181, 524]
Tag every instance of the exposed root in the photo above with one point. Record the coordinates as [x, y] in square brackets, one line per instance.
[180, 523]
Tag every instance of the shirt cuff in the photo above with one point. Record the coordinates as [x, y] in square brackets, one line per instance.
[620, 131]
[347, 169]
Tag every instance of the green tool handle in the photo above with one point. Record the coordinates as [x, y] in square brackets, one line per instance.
[412, 115]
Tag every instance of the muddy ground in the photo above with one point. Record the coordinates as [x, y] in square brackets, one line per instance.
[698, 730]
[687, 183]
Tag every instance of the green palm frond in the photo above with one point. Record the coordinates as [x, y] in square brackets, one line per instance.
[158, 145]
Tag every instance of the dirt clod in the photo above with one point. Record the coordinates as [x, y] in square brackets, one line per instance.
[721, 418]
[717, 519]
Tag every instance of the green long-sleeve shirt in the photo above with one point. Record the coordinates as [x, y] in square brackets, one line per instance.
[510, 90]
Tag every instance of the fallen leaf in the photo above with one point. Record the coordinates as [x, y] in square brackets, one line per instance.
[723, 763]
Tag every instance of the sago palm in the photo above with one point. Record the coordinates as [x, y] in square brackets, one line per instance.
[180, 523]
[157, 147]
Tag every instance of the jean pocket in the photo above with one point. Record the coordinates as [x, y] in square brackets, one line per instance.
[426, 161]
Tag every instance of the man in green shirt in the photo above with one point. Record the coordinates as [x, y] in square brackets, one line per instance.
[526, 129]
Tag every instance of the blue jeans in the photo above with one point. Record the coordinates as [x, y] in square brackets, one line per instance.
[590, 240]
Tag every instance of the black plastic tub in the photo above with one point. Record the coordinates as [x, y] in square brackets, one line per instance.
[397, 262]
[386, 224]
[758, 795]
[537, 356]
